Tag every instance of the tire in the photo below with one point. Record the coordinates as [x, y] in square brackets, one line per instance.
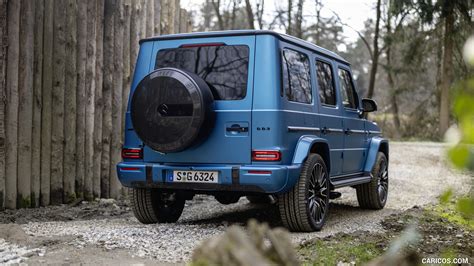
[172, 110]
[154, 206]
[305, 207]
[259, 199]
[373, 195]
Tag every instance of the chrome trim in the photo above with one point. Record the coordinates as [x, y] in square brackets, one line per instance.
[375, 132]
[295, 128]
[335, 130]
[358, 131]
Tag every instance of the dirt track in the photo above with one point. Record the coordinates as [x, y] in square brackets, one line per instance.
[107, 233]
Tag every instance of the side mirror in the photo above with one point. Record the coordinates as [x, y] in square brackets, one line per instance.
[368, 105]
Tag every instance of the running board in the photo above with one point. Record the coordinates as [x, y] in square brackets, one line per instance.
[350, 180]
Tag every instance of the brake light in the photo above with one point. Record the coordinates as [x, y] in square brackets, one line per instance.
[132, 153]
[202, 44]
[129, 168]
[266, 156]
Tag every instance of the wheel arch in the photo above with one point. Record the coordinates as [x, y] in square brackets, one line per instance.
[312, 144]
[376, 144]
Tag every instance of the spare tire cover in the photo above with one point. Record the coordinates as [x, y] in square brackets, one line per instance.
[172, 109]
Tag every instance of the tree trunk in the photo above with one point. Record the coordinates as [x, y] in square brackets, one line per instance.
[134, 33]
[376, 53]
[260, 8]
[116, 140]
[37, 96]
[57, 130]
[90, 100]
[109, 77]
[3, 65]
[217, 9]
[70, 104]
[46, 118]
[143, 15]
[157, 18]
[249, 11]
[446, 74]
[390, 79]
[12, 104]
[81, 94]
[98, 101]
[290, 7]
[299, 20]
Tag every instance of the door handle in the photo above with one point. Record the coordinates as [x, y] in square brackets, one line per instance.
[237, 128]
[325, 130]
[347, 131]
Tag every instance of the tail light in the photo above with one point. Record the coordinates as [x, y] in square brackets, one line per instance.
[132, 153]
[268, 156]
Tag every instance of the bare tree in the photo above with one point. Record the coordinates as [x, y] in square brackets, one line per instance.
[375, 51]
[299, 20]
[250, 17]
[3, 99]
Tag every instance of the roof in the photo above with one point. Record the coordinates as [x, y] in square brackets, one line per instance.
[283, 37]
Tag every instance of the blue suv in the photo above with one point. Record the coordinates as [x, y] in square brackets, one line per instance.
[248, 113]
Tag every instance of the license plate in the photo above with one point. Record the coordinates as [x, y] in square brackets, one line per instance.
[195, 176]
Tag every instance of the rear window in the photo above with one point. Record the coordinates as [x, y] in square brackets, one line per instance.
[224, 68]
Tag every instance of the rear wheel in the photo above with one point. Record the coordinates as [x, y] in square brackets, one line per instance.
[155, 206]
[373, 195]
[305, 207]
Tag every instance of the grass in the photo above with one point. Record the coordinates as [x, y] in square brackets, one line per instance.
[346, 248]
[449, 210]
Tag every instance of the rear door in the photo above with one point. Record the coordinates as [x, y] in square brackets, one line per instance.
[226, 64]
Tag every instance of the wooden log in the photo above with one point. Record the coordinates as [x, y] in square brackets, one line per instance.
[46, 120]
[171, 16]
[90, 101]
[165, 10]
[25, 107]
[134, 33]
[98, 103]
[116, 138]
[183, 21]
[12, 104]
[3, 99]
[126, 61]
[80, 95]
[150, 18]
[157, 18]
[177, 13]
[57, 129]
[37, 105]
[70, 104]
[107, 95]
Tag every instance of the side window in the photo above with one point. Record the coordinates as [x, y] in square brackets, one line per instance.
[327, 93]
[296, 76]
[346, 88]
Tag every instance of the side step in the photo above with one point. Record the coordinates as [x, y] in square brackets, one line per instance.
[350, 180]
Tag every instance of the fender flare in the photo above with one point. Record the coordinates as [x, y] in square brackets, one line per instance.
[303, 148]
[376, 144]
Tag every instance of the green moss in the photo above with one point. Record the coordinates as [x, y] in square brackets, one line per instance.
[70, 197]
[449, 211]
[345, 248]
[23, 202]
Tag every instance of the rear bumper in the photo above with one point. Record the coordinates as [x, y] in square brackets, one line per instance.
[231, 178]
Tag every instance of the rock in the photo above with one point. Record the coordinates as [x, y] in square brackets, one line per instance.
[260, 246]
[106, 202]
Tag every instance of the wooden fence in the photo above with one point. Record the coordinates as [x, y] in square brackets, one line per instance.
[65, 74]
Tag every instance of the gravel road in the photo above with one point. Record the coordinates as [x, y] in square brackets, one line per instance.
[106, 232]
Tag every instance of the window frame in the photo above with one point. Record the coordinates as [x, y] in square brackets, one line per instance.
[282, 89]
[354, 91]
[336, 98]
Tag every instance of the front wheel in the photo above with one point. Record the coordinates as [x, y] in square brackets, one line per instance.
[155, 206]
[373, 195]
[305, 207]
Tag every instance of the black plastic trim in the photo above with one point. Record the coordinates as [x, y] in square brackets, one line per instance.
[350, 180]
[205, 188]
